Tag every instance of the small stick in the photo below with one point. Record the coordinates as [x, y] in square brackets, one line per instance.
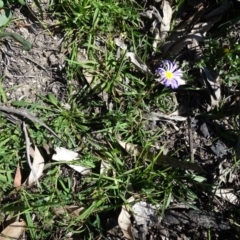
[190, 140]
[24, 113]
[31, 60]
[28, 154]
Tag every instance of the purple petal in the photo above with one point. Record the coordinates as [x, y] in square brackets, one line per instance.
[159, 70]
[174, 84]
[167, 83]
[169, 65]
[178, 72]
[175, 67]
[176, 78]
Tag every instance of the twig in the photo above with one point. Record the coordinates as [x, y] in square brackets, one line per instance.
[29, 59]
[24, 113]
[28, 154]
[190, 140]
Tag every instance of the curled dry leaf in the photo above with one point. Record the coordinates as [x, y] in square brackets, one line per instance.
[37, 165]
[175, 47]
[124, 221]
[191, 29]
[205, 26]
[73, 210]
[18, 177]
[135, 150]
[63, 154]
[90, 75]
[220, 10]
[213, 86]
[13, 231]
[120, 43]
[195, 52]
[227, 195]
[83, 59]
[166, 20]
[145, 214]
[155, 116]
[139, 63]
[104, 167]
[156, 39]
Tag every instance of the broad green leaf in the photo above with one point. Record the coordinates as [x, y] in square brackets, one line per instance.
[22, 2]
[1, 4]
[5, 16]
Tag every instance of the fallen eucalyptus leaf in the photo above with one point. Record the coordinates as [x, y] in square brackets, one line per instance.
[18, 177]
[124, 221]
[155, 116]
[166, 20]
[135, 150]
[37, 165]
[73, 210]
[13, 231]
[213, 86]
[139, 63]
[195, 51]
[205, 26]
[119, 42]
[227, 195]
[145, 214]
[175, 47]
[63, 154]
[219, 10]
[91, 76]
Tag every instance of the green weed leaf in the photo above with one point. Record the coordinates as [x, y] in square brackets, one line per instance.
[1, 4]
[5, 16]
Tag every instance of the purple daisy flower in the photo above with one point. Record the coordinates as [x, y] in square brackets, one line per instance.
[170, 75]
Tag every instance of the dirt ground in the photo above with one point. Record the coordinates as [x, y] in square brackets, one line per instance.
[28, 74]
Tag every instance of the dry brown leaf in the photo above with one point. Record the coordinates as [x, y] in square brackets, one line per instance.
[155, 116]
[177, 46]
[145, 214]
[18, 177]
[63, 154]
[37, 165]
[104, 167]
[220, 10]
[166, 20]
[185, 35]
[83, 59]
[227, 195]
[205, 26]
[156, 39]
[139, 63]
[13, 231]
[195, 52]
[135, 150]
[213, 86]
[120, 43]
[73, 210]
[124, 221]
[90, 76]
[198, 13]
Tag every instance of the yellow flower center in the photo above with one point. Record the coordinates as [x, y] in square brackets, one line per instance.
[169, 75]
